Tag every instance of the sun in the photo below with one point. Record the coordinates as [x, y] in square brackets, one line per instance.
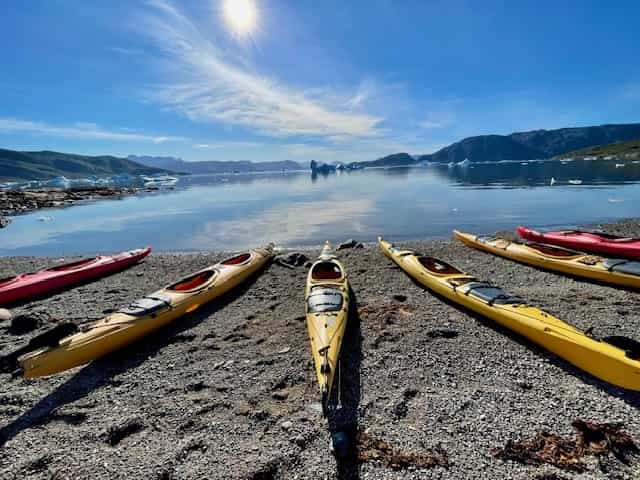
[240, 15]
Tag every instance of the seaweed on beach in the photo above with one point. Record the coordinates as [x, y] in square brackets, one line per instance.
[596, 439]
[374, 449]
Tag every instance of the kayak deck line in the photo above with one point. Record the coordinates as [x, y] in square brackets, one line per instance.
[616, 363]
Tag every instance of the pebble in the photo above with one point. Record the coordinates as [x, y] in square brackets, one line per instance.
[5, 315]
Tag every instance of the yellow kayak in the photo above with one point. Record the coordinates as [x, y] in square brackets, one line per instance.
[327, 300]
[618, 365]
[144, 315]
[605, 270]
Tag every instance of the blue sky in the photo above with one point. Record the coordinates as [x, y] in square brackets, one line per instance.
[330, 80]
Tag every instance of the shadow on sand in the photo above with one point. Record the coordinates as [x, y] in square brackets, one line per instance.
[344, 422]
[628, 396]
[102, 371]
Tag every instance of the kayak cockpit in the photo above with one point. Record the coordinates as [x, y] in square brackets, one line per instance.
[237, 260]
[72, 266]
[552, 251]
[193, 282]
[326, 271]
[438, 266]
[7, 281]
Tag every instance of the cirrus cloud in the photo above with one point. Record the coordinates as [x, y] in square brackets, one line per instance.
[209, 87]
[79, 130]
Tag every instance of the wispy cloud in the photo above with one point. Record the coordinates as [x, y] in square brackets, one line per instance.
[212, 88]
[80, 130]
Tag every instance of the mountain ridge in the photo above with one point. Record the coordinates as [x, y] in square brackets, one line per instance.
[43, 165]
[214, 166]
[533, 144]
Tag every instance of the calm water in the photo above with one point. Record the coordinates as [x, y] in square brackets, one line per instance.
[237, 211]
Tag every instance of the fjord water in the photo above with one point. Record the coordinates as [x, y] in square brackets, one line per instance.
[228, 212]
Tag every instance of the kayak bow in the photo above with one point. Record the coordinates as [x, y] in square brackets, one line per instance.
[618, 365]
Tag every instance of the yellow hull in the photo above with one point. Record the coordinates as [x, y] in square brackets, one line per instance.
[600, 359]
[120, 329]
[327, 308]
[571, 263]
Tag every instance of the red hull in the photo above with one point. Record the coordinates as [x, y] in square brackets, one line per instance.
[30, 285]
[587, 242]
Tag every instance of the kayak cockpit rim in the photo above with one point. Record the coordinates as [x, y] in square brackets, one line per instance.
[73, 265]
[551, 251]
[194, 282]
[437, 267]
[326, 270]
[8, 280]
[237, 260]
[606, 236]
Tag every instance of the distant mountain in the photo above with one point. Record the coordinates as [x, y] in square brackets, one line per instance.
[24, 166]
[533, 144]
[619, 150]
[395, 160]
[179, 165]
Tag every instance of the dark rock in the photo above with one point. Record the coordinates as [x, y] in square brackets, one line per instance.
[351, 243]
[442, 333]
[196, 386]
[294, 259]
[400, 298]
[22, 324]
[280, 394]
[116, 433]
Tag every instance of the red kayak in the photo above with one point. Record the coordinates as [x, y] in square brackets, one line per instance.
[29, 285]
[591, 242]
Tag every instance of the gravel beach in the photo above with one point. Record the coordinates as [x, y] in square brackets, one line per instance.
[230, 392]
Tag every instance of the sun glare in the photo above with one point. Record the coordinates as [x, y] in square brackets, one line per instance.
[240, 15]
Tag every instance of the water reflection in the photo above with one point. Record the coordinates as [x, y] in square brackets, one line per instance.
[237, 211]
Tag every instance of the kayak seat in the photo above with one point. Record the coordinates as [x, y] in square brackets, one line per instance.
[492, 295]
[192, 282]
[630, 346]
[237, 260]
[622, 266]
[324, 299]
[438, 266]
[146, 306]
[326, 271]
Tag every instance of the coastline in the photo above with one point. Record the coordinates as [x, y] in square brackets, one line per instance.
[20, 202]
[230, 392]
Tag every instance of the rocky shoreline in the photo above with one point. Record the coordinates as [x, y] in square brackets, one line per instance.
[17, 202]
[429, 391]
